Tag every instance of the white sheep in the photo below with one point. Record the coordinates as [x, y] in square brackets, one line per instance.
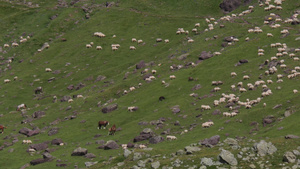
[14, 44]
[190, 41]
[172, 77]
[140, 41]
[246, 77]
[88, 46]
[295, 91]
[132, 48]
[6, 45]
[48, 70]
[197, 25]
[296, 59]
[133, 40]
[6, 80]
[233, 74]
[167, 41]
[70, 100]
[132, 88]
[99, 47]
[171, 138]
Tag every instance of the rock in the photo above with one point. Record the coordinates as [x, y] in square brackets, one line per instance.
[205, 55]
[183, 56]
[120, 164]
[141, 163]
[127, 153]
[53, 131]
[33, 132]
[102, 142]
[38, 114]
[38, 161]
[79, 86]
[207, 161]
[196, 87]
[65, 98]
[229, 5]
[231, 141]
[47, 155]
[214, 140]
[289, 157]
[137, 156]
[229, 39]
[263, 148]
[142, 137]
[227, 157]
[155, 164]
[175, 110]
[88, 164]
[242, 61]
[180, 152]
[79, 152]
[40, 146]
[190, 149]
[111, 145]
[11, 150]
[252, 166]
[156, 139]
[277, 106]
[24, 131]
[290, 136]
[56, 141]
[61, 165]
[90, 155]
[110, 108]
[140, 65]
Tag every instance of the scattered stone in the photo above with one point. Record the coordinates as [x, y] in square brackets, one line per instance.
[137, 156]
[111, 145]
[127, 153]
[90, 155]
[263, 148]
[88, 164]
[214, 140]
[155, 164]
[290, 136]
[180, 152]
[110, 108]
[227, 157]
[53, 131]
[40, 146]
[156, 139]
[207, 161]
[289, 157]
[190, 149]
[79, 152]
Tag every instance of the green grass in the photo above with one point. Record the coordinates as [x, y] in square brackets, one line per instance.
[146, 20]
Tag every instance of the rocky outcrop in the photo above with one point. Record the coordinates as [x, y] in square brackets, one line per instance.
[111, 145]
[227, 157]
[79, 152]
[109, 108]
[263, 148]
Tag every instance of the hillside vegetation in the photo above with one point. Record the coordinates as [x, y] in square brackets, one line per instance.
[57, 34]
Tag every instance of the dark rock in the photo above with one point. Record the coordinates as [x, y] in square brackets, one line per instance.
[111, 145]
[229, 39]
[40, 146]
[205, 55]
[53, 131]
[109, 108]
[229, 5]
[38, 161]
[33, 132]
[38, 114]
[56, 141]
[79, 86]
[100, 78]
[25, 166]
[156, 139]
[47, 155]
[53, 17]
[177, 123]
[216, 112]
[24, 131]
[142, 137]
[79, 152]
[130, 145]
[273, 63]
[102, 142]
[196, 87]
[166, 132]
[140, 65]
[214, 140]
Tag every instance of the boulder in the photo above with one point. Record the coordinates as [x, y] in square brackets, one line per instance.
[38, 161]
[47, 155]
[229, 39]
[79, 86]
[38, 114]
[111, 145]
[227, 157]
[242, 61]
[229, 5]
[155, 164]
[214, 140]
[289, 157]
[24, 131]
[137, 156]
[61, 165]
[140, 65]
[65, 98]
[156, 139]
[127, 153]
[109, 108]
[263, 148]
[25, 166]
[205, 55]
[40, 146]
[56, 141]
[191, 149]
[196, 87]
[53, 131]
[33, 132]
[142, 137]
[231, 141]
[90, 155]
[79, 152]
[206, 161]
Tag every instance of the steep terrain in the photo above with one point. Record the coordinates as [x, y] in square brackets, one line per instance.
[84, 85]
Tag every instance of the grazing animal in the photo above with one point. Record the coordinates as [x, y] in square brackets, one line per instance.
[2, 128]
[21, 106]
[38, 90]
[112, 130]
[102, 123]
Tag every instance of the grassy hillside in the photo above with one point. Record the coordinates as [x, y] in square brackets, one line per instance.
[67, 26]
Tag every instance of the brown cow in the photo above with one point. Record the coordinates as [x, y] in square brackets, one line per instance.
[102, 123]
[2, 128]
[112, 130]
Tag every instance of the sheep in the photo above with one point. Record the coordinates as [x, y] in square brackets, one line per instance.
[217, 53]
[171, 138]
[242, 90]
[26, 142]
[295, 91]
[246, 77]
[205, 107]
[166, 40]
[247, 39]
[269, 81]
[233, 74]
[125, 92]
[197, 25]
[21, 106]
[216, 102]
[226, 114]
[142, 146]
[273, 58]
[99, 47]
[207, 124]
[190, 41]
[132, 108]
[132, 88]
[172, 77]
[6, 45]
[260, 50]
[99, 34]
[292, 55]
[260, 54]
[269, 35]
[31, 150]
[14, 44]
[88, 46]
[6, 80]
[216, 89]
[279, 81]
[240, 84]
[48, 70]
[124, 146]
[114, 48]
[153, 71]
[133, 40]
[140, 41]
[132, 48]
[283, 66]
[194, 30]
[296, 59]
[70, 100]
